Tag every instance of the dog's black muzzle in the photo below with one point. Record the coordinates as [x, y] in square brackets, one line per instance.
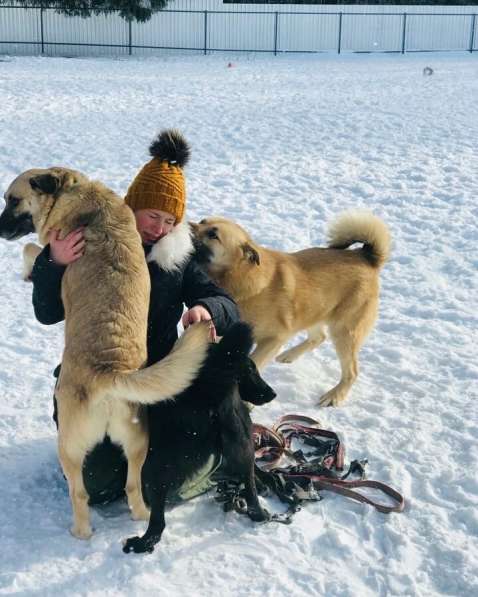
[252, 388]
[203, 253]
[15, 226]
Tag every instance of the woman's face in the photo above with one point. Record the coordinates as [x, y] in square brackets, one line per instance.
[153, 224]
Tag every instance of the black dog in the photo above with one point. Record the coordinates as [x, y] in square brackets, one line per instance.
[209, 418]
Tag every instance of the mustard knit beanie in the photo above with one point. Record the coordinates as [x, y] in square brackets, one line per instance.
[160, 183]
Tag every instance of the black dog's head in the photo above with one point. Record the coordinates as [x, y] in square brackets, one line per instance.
[252, 388]
[231, 354]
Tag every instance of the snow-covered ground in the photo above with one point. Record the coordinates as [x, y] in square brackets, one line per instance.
[282, 145]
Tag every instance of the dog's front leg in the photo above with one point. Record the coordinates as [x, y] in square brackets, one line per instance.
[72, 467]
[157, 523]
[254, 509]
[266, 350]
[239, 454]
[316, 336]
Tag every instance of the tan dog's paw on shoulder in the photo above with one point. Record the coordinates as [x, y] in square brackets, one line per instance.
[281, 294]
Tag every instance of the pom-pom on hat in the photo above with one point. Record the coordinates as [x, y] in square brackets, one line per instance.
[160, 183]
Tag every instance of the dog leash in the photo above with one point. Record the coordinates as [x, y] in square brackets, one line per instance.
[315, 470]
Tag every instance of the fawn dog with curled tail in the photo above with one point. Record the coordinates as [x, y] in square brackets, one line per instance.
[280, 294]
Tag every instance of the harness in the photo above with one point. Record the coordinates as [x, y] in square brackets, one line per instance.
[201, 482]
[299, 475]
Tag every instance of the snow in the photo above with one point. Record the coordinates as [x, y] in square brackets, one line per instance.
[281, 145]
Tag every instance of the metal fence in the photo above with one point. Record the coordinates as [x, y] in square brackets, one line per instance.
[41, 30]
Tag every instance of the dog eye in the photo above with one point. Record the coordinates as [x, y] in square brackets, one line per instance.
[212, 234]
[13, 201]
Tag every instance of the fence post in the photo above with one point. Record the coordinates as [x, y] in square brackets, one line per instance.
[404, 31]
[41, 29]
[205, 32]
[339, 48]
[276, 27]
[130, 38]
[472, 32]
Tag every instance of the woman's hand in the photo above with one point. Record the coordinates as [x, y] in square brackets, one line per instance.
[69, 249]
[196, 314]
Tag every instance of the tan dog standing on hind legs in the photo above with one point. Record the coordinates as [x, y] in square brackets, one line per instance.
[105, 296]
[157, 197]
[280, 294]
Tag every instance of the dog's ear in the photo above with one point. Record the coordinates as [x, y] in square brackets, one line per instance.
[250, 253]
[51, 183]
[193, 227]
[45, 183]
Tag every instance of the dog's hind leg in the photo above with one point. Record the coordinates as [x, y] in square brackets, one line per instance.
[135, 446]
[347, 344]
[72, 467]
[348, 339]
[133, 486]
[316, 336]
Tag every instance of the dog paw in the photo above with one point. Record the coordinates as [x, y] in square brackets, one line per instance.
[81, 532]
[325, 401]
[137, 545]
[285, 357]
[331, 399]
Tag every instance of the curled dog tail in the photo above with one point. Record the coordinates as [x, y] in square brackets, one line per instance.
[362, 227]
[168, 377]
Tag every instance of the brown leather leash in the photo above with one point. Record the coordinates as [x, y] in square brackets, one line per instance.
[274, 445]
[344, 488]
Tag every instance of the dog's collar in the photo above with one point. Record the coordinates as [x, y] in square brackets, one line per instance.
[171, 251]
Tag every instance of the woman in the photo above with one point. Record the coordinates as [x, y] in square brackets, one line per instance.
[157, 197]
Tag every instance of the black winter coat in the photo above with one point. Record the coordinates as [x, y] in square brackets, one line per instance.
[181, 281]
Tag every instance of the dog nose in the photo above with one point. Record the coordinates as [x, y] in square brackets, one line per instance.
[198, 246]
